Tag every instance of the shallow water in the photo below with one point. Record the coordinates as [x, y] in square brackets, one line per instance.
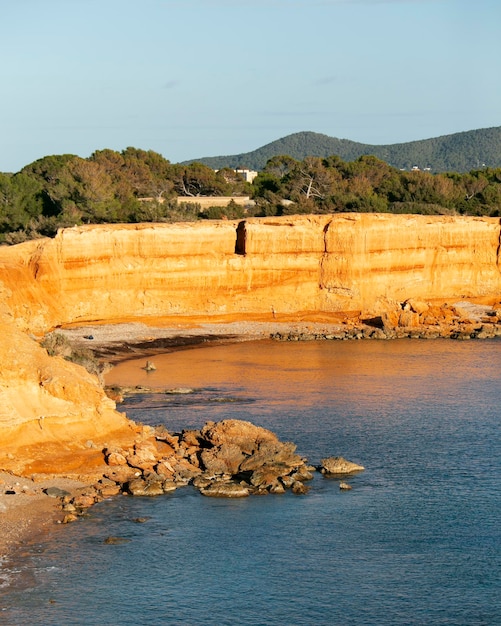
[416, 541]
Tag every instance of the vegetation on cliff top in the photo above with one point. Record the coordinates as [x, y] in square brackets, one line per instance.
[142, 186]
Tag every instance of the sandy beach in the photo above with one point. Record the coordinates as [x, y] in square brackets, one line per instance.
[27, 511]
[132, 339]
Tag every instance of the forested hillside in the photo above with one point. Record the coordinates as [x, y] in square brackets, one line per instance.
[460, 152]
[142, 186]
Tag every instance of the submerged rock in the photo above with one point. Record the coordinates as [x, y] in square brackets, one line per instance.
[111, 541]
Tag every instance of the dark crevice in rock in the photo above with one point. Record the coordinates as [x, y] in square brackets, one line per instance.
[241, 240]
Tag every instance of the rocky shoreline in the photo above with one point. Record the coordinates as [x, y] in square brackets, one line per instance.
[464, 320]
[227, 459]
[415, 320]
[189, 457]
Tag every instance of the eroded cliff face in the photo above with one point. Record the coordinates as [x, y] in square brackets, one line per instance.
[298, 264]
[305, 264]
[54, 415]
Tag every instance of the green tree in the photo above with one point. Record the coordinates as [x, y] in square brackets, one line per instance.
[196, 180]
[309, 178]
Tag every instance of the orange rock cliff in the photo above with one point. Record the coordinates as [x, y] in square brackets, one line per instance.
[295, 265]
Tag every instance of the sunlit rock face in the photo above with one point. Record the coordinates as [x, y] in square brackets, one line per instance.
[47, 406]
[362, 263]
[296, 264]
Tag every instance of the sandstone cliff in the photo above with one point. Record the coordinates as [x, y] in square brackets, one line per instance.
[310, 263]
[298, 265]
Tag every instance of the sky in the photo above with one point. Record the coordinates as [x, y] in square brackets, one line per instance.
[195, 78]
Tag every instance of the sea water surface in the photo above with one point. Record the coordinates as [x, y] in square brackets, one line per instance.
[416, 541]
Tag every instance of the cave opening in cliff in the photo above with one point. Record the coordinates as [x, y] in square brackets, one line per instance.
[241, 239]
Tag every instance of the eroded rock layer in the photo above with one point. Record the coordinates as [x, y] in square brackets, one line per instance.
[311, 263]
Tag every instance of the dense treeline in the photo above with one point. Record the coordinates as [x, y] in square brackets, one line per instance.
[459, 152]
[330, 185]
[142, 186]
[64, 190]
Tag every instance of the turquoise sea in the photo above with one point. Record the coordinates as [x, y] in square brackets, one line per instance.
[416, 541]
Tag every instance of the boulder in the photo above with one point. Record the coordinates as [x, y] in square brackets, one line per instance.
[272, 452]
[190, 438]
[164, 468]
[84, 500]
[277, 487]
[145, 455]
[339, 465]
[107, 487]
[141, 487]
[299, 488]
[123, 474]
[418, 306]
[303, 474]
[169, 485]
[225, 489]
[268, 475]
[223, 459]
[408, 319]
[245, 435]
[115, 458]
[52, 492]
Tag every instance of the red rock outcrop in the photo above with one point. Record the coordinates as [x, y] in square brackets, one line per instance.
[362, 263]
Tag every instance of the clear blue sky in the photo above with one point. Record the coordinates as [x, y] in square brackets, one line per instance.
[193, 78]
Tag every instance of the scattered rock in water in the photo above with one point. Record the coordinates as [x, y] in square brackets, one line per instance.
[150, 366]
[344, 486]
[169, 485]
[141, 487]
[299, 488]
[225, 489]
[227, 459]
[111, 541]
[141, 520]
[336, 465]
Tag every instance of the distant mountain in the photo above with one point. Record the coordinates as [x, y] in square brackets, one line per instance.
[460, 152]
